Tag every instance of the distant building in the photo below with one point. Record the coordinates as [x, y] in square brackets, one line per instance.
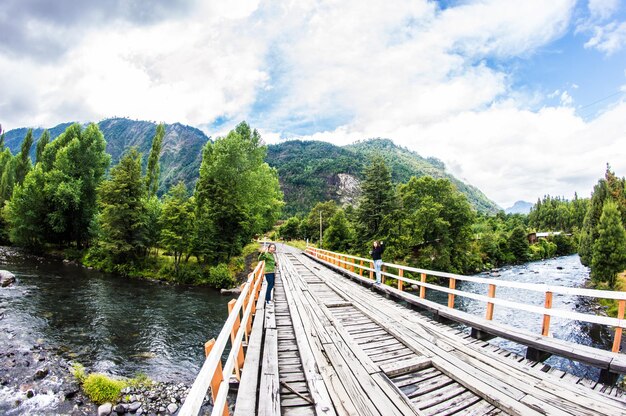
[533, 238]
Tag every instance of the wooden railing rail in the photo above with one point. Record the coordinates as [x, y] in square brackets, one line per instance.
[236, 328]
[546, 311]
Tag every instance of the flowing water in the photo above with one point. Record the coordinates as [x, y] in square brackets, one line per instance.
[108, 323]
[562, 271]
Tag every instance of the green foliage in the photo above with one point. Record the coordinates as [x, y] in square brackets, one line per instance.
[177, 223]
[101, 389]
[237, 195]
[41, 145]
[153, 169]
[542, 250]
[609, 249]
[220, 277]
[140, 380]
[376, 203]
[310, 227]
[339, 235]
[557, 214]
[518, 245]
[7, 178]
[290, 230]
[122, 212]
[154, 208]
[23, 163]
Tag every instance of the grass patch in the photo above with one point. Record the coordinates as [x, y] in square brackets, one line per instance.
[101, 389]
[299, 244]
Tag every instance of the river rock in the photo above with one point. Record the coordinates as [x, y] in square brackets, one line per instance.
[172, 408]
[105, 409]
[120, 409]
[134, 406]
[6, 278]
[41, 373]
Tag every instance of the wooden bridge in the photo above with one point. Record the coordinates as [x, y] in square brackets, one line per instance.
[332, 343]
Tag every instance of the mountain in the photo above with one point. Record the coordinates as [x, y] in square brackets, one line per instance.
[520, 207]
[309, 171]
[181, 152]
[312, 171]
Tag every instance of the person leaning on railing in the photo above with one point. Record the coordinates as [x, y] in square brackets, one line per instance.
[270, 266]
[377, 255]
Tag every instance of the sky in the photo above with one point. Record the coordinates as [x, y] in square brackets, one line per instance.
[520, 99]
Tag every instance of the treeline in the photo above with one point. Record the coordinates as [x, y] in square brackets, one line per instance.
[66, 199]
[424, 222]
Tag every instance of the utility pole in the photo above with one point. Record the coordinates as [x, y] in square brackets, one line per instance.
[320, 229]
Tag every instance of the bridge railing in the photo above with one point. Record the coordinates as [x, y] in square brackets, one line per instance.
[236, 328]
[363, 265]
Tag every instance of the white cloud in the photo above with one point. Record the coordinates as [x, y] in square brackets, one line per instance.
[566, 99]
[602, 9]
[609, 38]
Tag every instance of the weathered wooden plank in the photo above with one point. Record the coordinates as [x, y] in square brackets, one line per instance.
[411, 365]
[439, 395]
[269, 388]
[299, 411]
[453, 404]
[480, 408]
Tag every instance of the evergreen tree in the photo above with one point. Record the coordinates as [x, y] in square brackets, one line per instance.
[41, 145]
[23, 163]
[122, 212]
[153, 169]
[154, 208]
[311, 226]
[338, 236]
[609, 248]
[376, 202]
[177, 223]
[7, 175]
[589, 232]
[518, 245]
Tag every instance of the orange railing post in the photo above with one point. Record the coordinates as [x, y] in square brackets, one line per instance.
[617, 341]
[422, 288]
[491, 294]
[239, 358]
[361, 268]
[371, 271]
[400, 282]
[545, 330]
[382, 276]
[451, 295]
[218, 376]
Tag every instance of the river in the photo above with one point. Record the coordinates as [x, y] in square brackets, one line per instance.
[561, 271]
[124, 326]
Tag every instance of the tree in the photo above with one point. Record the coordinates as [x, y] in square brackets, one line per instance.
[609, 248]
[312, 223]
[74, 165]
[41, 145]
[338, 236]
[26, 212]
[237, 195]
[153, 169]
[377, 201]
[290, 230]
[23, 162]
[177, 223]
[7, 178]
[518, 244]
[154, 208]
[122, 212]
[589, 232]
[433, 224]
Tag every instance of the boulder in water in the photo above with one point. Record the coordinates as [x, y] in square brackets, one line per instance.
[233, 291]
[6, 278]
[105, 409]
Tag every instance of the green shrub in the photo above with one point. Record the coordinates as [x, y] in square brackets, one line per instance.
[139, 381]
[220, 277]
[101, 389]
[78, 371]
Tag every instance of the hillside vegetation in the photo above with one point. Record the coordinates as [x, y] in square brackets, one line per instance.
[309, 171]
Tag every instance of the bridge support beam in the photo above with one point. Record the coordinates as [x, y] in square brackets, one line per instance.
[534, 354]
[481, 335]
[442, 319]
[608, 377]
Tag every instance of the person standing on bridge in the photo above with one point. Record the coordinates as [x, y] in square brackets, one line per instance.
[377, 255]
[270, 266]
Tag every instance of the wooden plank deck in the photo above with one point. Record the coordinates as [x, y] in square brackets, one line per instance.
[335, 347]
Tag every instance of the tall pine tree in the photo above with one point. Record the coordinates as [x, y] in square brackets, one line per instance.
[609, 248]
[23, 163]
[376, 203]
[41, 145]
[153, 170]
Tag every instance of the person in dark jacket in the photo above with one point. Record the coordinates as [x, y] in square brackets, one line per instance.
[270, 267]
[377, 255]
